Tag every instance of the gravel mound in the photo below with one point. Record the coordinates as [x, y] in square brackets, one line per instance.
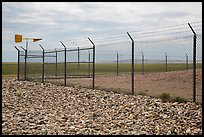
[36, 108]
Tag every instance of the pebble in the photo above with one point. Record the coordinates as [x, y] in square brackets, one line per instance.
[48, 109]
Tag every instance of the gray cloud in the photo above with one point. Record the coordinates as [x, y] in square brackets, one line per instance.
[61, 21]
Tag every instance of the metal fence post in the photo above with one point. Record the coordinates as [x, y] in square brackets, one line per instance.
[93, 84]
[18, 62]
[65, 62]
[25, 62]
[56, 65]
[132, 63]
[43, 65]
[166, 61]
[186, 61]
[78, 59]
[194, 63]
[142, 63]
[117, 62]
[89, 65]
[26, 55]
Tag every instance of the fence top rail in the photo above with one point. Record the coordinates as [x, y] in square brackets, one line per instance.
[54, 51]
[80, 49]
[29, 56]
[80, 62]
[86, 48]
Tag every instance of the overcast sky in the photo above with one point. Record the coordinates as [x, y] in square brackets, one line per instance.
[54, 22]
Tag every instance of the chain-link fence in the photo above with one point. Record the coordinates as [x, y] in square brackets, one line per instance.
[147, 62]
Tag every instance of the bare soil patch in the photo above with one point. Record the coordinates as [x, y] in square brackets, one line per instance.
[176, 83]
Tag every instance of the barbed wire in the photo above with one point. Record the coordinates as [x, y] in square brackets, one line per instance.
[171, 31]
[145, 34]
[111, 35]
[145, 29]
[149, 41]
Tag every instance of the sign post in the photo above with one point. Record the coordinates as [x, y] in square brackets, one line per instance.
[18, 39]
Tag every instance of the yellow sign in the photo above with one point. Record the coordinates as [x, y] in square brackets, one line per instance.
[34, 40]
[18, 38]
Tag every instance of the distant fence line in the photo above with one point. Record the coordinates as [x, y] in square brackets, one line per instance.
[80, 62]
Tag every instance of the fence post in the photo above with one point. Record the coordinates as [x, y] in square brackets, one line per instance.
[93, 62]
[132, 63]
[142, 63]
[194, 63]
[65, 63]
[117, 62]
[186, 61]
[78, 59]
[56, 65]
[89, 65]
[166, 61]
[26, 55]
[18, 62]
[43, 66]
[25, 62]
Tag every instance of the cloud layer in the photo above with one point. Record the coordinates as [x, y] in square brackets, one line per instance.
[60, 21]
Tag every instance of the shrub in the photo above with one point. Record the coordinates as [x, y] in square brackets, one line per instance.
[18, 93]
[180, 100]
[165, 96]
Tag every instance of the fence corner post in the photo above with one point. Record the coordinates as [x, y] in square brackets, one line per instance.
[18, 68]
[93, 84]
[133, 60]
[43, 65]
[65, 63]
[194, 62]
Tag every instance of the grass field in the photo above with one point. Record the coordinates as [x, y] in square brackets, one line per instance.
[10, 68]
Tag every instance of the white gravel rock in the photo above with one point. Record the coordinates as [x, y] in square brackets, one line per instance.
[47, 109]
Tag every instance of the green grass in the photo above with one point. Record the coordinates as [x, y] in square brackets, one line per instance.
[36, 68]
[9, 68]
[180, 99]
[165, 96]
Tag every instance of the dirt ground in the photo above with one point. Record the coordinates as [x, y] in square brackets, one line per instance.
[176, 83]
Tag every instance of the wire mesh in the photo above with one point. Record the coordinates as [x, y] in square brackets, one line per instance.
[199, 68]
[163, 62]
[21, 65]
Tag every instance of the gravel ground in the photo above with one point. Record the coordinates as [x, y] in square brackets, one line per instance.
[36, 108]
